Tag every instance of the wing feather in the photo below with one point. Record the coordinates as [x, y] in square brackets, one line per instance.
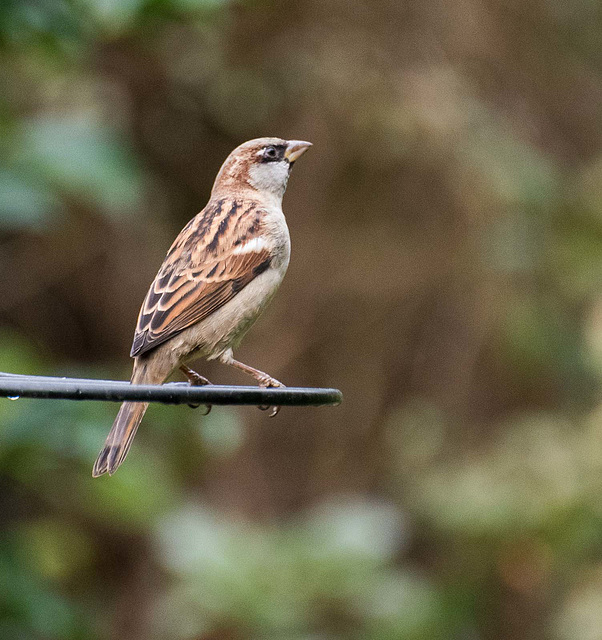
[203, 270]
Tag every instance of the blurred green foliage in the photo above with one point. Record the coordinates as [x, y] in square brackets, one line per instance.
[447, 234]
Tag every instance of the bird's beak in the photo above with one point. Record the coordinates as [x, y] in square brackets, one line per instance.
[295, 149]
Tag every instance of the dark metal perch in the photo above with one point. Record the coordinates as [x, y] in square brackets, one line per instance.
[22, 386]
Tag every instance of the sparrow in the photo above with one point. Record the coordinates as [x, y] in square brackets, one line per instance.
[218, 276]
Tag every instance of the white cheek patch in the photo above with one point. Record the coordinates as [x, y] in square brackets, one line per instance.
[270, 176]
[254, 245]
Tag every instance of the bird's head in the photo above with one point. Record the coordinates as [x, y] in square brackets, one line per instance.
[263, 165]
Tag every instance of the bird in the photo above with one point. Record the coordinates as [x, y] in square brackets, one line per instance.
[221, 271]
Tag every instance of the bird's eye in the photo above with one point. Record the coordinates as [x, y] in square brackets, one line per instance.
[270, 152]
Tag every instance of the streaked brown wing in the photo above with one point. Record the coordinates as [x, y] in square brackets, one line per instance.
[201, 272]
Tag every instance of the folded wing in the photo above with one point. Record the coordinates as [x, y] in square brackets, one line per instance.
[215, 256]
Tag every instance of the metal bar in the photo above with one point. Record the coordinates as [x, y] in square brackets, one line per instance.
[22, 386]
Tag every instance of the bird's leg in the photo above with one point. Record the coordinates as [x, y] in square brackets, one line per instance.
[262, 378]
[196, 380]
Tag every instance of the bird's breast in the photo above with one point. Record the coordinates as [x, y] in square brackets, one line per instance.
[275, 231]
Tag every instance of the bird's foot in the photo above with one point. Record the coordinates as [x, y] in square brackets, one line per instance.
[267, 382]
[196, 380]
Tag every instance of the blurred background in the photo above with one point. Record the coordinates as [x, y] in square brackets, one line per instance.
[446, 271]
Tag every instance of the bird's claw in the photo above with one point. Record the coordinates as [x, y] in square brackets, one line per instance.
[206, 407]
[274, 411]
[197, 380]
[268, 382]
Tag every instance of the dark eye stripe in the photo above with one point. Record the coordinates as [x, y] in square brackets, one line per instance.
[276, 157]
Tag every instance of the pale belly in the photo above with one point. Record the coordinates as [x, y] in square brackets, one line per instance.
[225, 328]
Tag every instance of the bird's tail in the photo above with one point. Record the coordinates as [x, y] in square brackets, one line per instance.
[128, 420]
[120, 438]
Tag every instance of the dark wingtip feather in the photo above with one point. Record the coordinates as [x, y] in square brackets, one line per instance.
[138, 344]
